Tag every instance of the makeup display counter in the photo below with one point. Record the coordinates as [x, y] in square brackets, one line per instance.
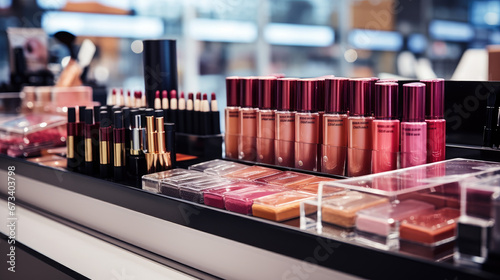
[205, 239]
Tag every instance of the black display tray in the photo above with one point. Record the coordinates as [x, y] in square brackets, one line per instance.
[284, 239]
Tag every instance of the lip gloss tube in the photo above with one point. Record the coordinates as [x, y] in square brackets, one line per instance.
[80, 141]
[151, 136]
[434, 117]
[248, 119]
[334, 147]
[284, 143]
[91, 144]
[72, 163]
[385, 128]
[413, 126]
[359, 128]
[164, 159]
[105, 139]
[231, 117]
[119, 147]
[307, 126]
[266, 119]
[136, 163]
[320, 106]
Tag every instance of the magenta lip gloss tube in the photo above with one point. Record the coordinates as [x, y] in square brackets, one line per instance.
[413, 126]
[434, 117]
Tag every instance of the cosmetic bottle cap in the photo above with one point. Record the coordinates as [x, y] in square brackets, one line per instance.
[116, 109]
[267, 92]
[248, 92]
[320, 96]
[414, 102]
[232, 91]
[118, 120]
[81, 114]
[104, 119]
[360, 97]
[158, 113]
[71, 115]
[386, 101]
[88, 116]
[169, 127]
[286, 94]
[387, 81]
[434, 98]
[137, 120]
[142, 112]
[96, 113]
[126, 117]
[336, 90]
[307, 95]
[150, 112]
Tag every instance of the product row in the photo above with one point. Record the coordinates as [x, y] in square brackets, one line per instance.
[335, 125]
[194, 115]
[119, 142]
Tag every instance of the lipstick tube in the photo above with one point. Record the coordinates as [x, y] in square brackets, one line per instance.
[215, 115]
[385, 128]
[284, 143]
[71, 139]
[434, 117]
[189, 114]
[91, 144]
[204, 116]
[151, 136]
[334, 147]
[307, 126]
[119, 147]
[359, 128]
[266, 125]
[80, 139]
[164, 161]
[181, 113]
[248, 119]
[413, 126]
[105, 149]
[136, 162]
[172, 117]
[231, 117]
[157, 104]
[196, 113]
[126, 126]
[170, 143]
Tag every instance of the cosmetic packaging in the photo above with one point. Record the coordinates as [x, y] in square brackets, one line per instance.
[91, 144]
[215, 196]
[193, 191]
[231, 116]
[334, 144]
[218, 167]
[359, 128]
[379, 226]
[189, 117]
[119, 171]
[80, 142]
[306, 125]
[170, 186]
[136, 162]
[151, 182]
[172, 116]
[413, 126]
[320, 107]
[170, 143]
[312, 180]
[385, 128]
[284, 144]
[248, 119]
[127, 125]
[164, 158]
[341, 210]
[71, 140]
[478, 228]
[181, 113]
[51, 161]
[279, 206]
[151, 152]
[204, 118]
[106, 153]
[252, 173]
[312, 188]
[285, 178]
[266, 119]
[491, 120]
[196, 114]
[241, 201]
[434, 117]
[214, 115]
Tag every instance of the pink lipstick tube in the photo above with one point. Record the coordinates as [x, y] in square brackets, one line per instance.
[334, 147]
[413, 126]
[266, 119]
[385, 128]
[434, 117]
[247, 144]
[231, 116]
[359, 128]
[284, 143]
[307, 126]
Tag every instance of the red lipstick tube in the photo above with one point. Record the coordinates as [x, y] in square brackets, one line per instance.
[434, 117]
[284, 144]
[71, 139]
[119, 171]
[385, 128]
[266, 120]
[91, 144]
[413, 126]
[105, 140]
[307, 126]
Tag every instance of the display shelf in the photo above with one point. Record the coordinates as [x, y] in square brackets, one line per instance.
[209, 236]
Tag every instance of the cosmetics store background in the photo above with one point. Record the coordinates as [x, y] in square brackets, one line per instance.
[301, 38]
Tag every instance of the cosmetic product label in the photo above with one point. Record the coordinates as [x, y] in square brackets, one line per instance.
[306, 141]
[104, 154]
[285, 136]
[334, 147]
[385, 145]
[70, 142]
[88, 149]
[436, 140]
[232, 131]
[265, 136]
[359, 151]
[247, 142]
[413, 144]
[119, 154]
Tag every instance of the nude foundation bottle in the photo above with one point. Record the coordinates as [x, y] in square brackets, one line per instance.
[385, 128]
[231, 115]
[413, 126]
[247, 145]
[266, 119]
[359, 128]
[434, 117]
[307, 126]
[334, 144]
[285, 122]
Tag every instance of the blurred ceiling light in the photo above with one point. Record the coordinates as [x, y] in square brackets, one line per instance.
[491, 18]
[100, 25]
[350, 55]
[451, 31]
[137, 46]
[4, 4]
[375, 40]
[222, 30]
[101, 74]
[51, 4]
[299, 35]
[417, 43]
